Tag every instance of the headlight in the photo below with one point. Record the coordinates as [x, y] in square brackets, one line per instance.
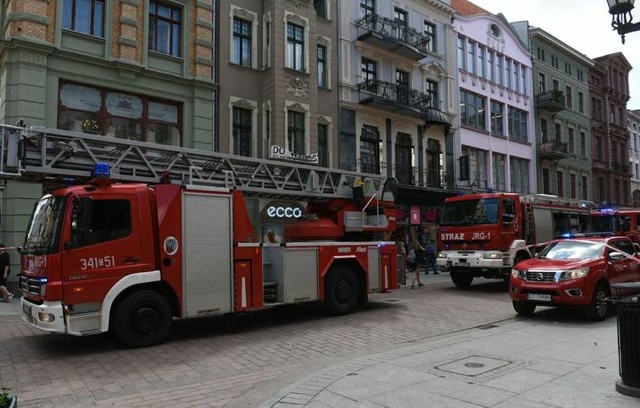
[516, 273]
[573, 274]
[442, 254]
[492, 255]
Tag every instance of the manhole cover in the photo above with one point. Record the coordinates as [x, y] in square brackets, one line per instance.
[473, 366]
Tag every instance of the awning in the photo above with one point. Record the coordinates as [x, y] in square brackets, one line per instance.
[435, 116]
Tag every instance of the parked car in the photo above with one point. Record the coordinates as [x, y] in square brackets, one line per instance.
[574, 272]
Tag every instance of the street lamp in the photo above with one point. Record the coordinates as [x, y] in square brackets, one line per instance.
[621, 17]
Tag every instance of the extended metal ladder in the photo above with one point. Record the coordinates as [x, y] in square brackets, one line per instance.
[45, 155]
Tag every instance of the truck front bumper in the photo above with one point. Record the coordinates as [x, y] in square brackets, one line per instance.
[455, 260]
[48, 316]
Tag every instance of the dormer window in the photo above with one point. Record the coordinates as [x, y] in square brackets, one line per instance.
[495, 31]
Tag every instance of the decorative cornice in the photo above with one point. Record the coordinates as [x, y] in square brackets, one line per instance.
[128, 42]
[204, 5]
[205, 24]
[129, 21]
[131, 2]
[28, 17]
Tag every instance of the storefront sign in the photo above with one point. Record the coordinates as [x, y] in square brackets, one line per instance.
[282, 210]
[415, 215]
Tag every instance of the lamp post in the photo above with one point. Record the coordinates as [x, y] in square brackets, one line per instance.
[621, 18]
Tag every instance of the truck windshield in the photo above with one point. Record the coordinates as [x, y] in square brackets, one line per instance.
[603, 223]
[470, 212]
[44, 228]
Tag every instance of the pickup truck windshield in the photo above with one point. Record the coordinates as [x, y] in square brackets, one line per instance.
[44, 228]
[470, 212]
[572, 250]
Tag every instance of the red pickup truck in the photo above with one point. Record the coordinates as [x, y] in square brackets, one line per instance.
[574, 272]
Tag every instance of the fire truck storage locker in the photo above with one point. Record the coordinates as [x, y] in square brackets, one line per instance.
[300, 269]
[374, 268]
[207, 249]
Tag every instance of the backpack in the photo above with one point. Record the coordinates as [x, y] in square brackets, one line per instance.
[412, 255]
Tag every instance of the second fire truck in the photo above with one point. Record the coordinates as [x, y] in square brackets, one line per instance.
[485, 235]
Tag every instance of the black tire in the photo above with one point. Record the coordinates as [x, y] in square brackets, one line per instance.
[523, 308]
[460, 279]
[599, 308]
[142, 319]
[341, 291]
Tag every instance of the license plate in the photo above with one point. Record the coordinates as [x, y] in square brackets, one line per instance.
[26, 309]
[539, 297]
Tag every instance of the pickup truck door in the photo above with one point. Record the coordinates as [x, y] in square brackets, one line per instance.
[627, 269]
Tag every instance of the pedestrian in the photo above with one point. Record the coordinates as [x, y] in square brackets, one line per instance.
[5, 262]
[431, 258]
[412, 262]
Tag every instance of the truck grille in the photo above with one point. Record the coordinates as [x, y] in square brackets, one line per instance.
[532, 276]
[31, 285]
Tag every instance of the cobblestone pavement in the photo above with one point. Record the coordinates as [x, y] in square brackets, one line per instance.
[219, 362]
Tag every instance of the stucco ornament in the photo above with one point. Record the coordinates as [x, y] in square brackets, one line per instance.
[298, 87]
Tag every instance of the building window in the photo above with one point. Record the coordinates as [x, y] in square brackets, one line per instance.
[432, 93]
[323, 145]
[367, 7]
[569, 97]
[524, 79]
[472, 108]
[430, 33]
[116, 114]
[499, 178]
[84, 16]
[404, 159]
[507, 74]
[571, 141]
[542, 83]
[322, 10]
[560, 181]
[516, 77]
[242, 131]
[519, 171]
[322, 66]
[477, 166]
[369, 74]
[585, 188]
[572, 180]
[580, 102]
[517, 124]
[546, 183]
[490, 58]
[583, 144]
[370, 150]
[295, 47]
[499, 59]
[400, 26]
[600, 189]
[296, 132]
[471, 61]
[462, 61]
[433, 166]
[544, 135]
[165, 28]
[541, 54]
[497, 114]
[598, 148]
[241, 42]
[481, 57]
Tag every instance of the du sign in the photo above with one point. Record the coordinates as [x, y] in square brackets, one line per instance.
[278, 152]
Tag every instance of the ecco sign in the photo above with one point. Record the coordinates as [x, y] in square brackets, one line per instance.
[282, 210]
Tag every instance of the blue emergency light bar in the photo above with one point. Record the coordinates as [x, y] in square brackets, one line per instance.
[102, 170]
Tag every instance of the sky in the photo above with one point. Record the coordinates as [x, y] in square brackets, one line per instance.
[584, 25]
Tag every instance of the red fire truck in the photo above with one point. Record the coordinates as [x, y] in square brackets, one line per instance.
[617, 222]
[485, 235]
[129, 257]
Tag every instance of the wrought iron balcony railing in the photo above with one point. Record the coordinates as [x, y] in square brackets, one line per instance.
[394, 96]
[552, 101]
[393, 35]
[554, 150]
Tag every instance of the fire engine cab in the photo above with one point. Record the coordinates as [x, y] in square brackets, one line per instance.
[161, 232]
[485, 235]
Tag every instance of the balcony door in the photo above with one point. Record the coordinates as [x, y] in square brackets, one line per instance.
[402, 86]
[403, 162]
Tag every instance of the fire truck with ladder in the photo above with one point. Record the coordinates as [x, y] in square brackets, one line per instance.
[160, 232]
[486, 234]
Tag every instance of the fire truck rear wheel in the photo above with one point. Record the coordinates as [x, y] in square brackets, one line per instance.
[461, 279]
[142, 319]
[341, 291]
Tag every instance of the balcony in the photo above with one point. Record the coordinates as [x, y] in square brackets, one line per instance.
[621, 167]
[551, 101]
[393, 36]
[553, 150]
[435, 179]
[394, 98]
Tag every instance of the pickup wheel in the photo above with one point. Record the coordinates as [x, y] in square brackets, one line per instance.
[524, 309]
[142, 319]
[461, 279]
[341, 291]
[599, 308]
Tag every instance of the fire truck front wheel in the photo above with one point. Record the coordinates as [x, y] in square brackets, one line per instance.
[142, 319]
[461, 279]
[342, 291]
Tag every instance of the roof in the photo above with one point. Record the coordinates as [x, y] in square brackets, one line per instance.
[467, 8]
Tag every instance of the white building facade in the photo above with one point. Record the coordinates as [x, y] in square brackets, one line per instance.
[495, 145]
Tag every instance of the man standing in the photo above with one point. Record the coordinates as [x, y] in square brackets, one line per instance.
[5, 261]
[431, 258]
